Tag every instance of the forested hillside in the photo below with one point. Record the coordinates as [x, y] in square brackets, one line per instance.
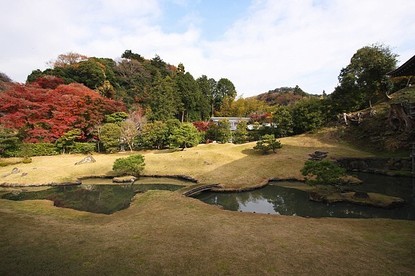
[163, 90]
[134, 103]
[283, 96]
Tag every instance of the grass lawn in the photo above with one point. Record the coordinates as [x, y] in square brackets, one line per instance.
[165, 233]
[233, 166]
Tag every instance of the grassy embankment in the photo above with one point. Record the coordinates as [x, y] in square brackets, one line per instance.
[165, 233]
[233, 166]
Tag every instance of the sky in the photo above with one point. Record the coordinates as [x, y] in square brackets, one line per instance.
[259, 45]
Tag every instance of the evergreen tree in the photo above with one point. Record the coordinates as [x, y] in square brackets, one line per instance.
[241, 134]
[163, 99]
[282, 118]
[189, 93]
[110, 135]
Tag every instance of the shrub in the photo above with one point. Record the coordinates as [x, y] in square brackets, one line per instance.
[184, 136]
[83, 148]
[241, 133]
[27, 160]
[110, 137]
[38, 149]
[268, 142]
[131, 165]
[322, 172]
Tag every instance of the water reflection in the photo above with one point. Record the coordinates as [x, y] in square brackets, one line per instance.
[105, 199]
[274, 199]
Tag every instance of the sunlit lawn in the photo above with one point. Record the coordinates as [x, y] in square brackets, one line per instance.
[233, 166]
[166, 233]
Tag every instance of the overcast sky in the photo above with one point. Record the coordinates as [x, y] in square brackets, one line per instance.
[258, 45]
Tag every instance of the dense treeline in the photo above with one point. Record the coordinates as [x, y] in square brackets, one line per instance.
[164, 91]
[82, 104]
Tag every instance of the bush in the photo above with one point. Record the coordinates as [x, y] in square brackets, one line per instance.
[322, 172]
[38, 149]
[83, 148]
[27, 160]
[131, 165]
[267, 143]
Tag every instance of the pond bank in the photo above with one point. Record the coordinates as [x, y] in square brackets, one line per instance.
[392, 166]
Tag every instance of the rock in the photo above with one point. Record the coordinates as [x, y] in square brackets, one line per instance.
[360, 195]
[350, 180]
[15, 171]
[124, 179]
[360, 198]
[87, 159]
[318, 155]
[315, 196]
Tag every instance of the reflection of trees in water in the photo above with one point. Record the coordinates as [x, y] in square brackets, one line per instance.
[288, 201]
[98, 199]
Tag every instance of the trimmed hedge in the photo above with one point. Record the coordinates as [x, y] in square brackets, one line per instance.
[38, 149]
[83, 148]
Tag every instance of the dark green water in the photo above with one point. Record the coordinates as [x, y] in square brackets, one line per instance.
[105, 199]
[274, 199]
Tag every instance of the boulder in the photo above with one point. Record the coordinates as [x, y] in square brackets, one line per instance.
[360, 195]
[124, 179]
[87, 159]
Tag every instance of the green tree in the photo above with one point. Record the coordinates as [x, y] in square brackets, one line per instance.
[189, 94]
[267, 143]
[9, 141]
[154, 135]
[240, 135]
[184, 136]
[131, 165]
[110, 135]
[308, 115]
[163, 99]
[220, 132]
[364, 80]
[224, 90]
[128, 54]
[282, 118]
[207, 89]
[322, 172]
[67, 141]
[224, 131]
[116, 117]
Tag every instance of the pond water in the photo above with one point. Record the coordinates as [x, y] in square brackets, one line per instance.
[275, 199]
[105, 199]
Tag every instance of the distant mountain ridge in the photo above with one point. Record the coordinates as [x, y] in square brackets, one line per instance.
[283, 96]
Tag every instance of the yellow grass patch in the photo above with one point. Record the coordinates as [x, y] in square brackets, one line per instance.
[233, 166]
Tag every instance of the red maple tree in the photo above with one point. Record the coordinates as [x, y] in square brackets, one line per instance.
[45, 110]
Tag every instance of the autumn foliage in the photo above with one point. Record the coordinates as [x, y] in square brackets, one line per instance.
[44, 111]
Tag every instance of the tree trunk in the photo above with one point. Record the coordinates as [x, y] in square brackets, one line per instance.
[399, 119]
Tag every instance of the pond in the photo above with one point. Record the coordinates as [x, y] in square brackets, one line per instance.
[275, 199]
[100, 197]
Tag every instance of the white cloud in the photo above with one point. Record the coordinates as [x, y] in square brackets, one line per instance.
[276, 43]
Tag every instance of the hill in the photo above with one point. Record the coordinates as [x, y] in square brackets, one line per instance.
[282, 96]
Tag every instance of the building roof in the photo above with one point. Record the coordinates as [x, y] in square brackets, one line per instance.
[230, 118]
[406, 69]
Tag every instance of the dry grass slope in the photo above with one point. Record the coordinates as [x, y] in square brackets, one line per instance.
[233, 166]
[165, 233]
